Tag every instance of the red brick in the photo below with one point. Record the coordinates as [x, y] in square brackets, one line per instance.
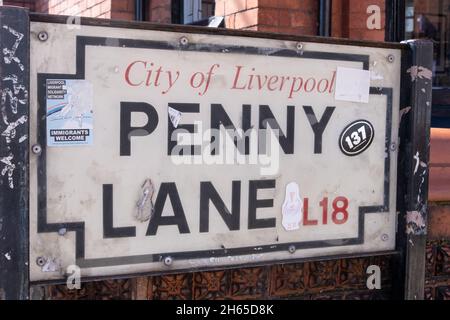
[301, 19]
[161, 15]
[246, 18]
[304, 5]
[91, 3]
[121, 5]
[268, 17]
[95, 11]
[252, 28]
[360, 6]
[105, 7]
[364, 34]
[234, 6]
[219, 8]
[439, 185]
[284, 18]
[439, 222]
[230, 21]
[160, 11]
[440, 146]
[157, 3]
[122, 16]
[266, 28]
[82, 5]
[250, 4]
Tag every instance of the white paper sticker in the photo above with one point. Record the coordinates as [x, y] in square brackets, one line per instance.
[50, 265]
[69, 112]
[292, 209]
[175, 116]
[352, 85]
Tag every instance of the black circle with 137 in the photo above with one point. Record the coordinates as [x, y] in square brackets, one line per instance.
[356, 137]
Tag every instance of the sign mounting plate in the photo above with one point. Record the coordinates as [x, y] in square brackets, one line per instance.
[209, 152]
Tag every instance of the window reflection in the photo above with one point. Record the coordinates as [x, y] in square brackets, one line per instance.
[429, 19]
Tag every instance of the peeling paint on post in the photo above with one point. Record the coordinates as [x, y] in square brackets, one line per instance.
[414, 170]
[14, 145]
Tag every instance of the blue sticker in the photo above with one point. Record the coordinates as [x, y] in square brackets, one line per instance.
[69, 114]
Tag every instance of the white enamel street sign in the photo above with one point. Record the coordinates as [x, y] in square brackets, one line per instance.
[165, 151]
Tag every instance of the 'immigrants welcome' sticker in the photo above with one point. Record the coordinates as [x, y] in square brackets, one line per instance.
[69, 112]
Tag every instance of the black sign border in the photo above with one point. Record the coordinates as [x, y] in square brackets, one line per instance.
[79, 227]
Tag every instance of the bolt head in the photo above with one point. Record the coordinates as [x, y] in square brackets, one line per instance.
[168, 261]
[393, 146]
[40, 261]
[390, 58]
[299, 46]
[43, 36]
[384, 237]
[291, 249]
[184, 41]
[36, 149]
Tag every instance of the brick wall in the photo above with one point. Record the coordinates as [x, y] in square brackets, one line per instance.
[84, 8]
[437, 283]
[439, 186]
[122, 10]
[349, 19]
[300, 17]
[283, 16]
[160, 11]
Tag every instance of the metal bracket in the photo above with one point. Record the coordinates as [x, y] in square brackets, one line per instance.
[413, 171]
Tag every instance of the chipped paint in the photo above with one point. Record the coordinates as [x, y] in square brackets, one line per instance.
[14, 94]
[51, 265]
[376, 76]
[419, 72]
[144, 205]
[8, 169]
[17, 89]
[416, 157]
[23, 138]
[403, 112]
[415, 223]
[10, 132]
[14, 165]
[9, 55]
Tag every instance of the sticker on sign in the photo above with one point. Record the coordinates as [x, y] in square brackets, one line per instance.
[352, 85]
[69, 112]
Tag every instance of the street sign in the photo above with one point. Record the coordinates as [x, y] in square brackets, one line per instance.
[156, 151]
